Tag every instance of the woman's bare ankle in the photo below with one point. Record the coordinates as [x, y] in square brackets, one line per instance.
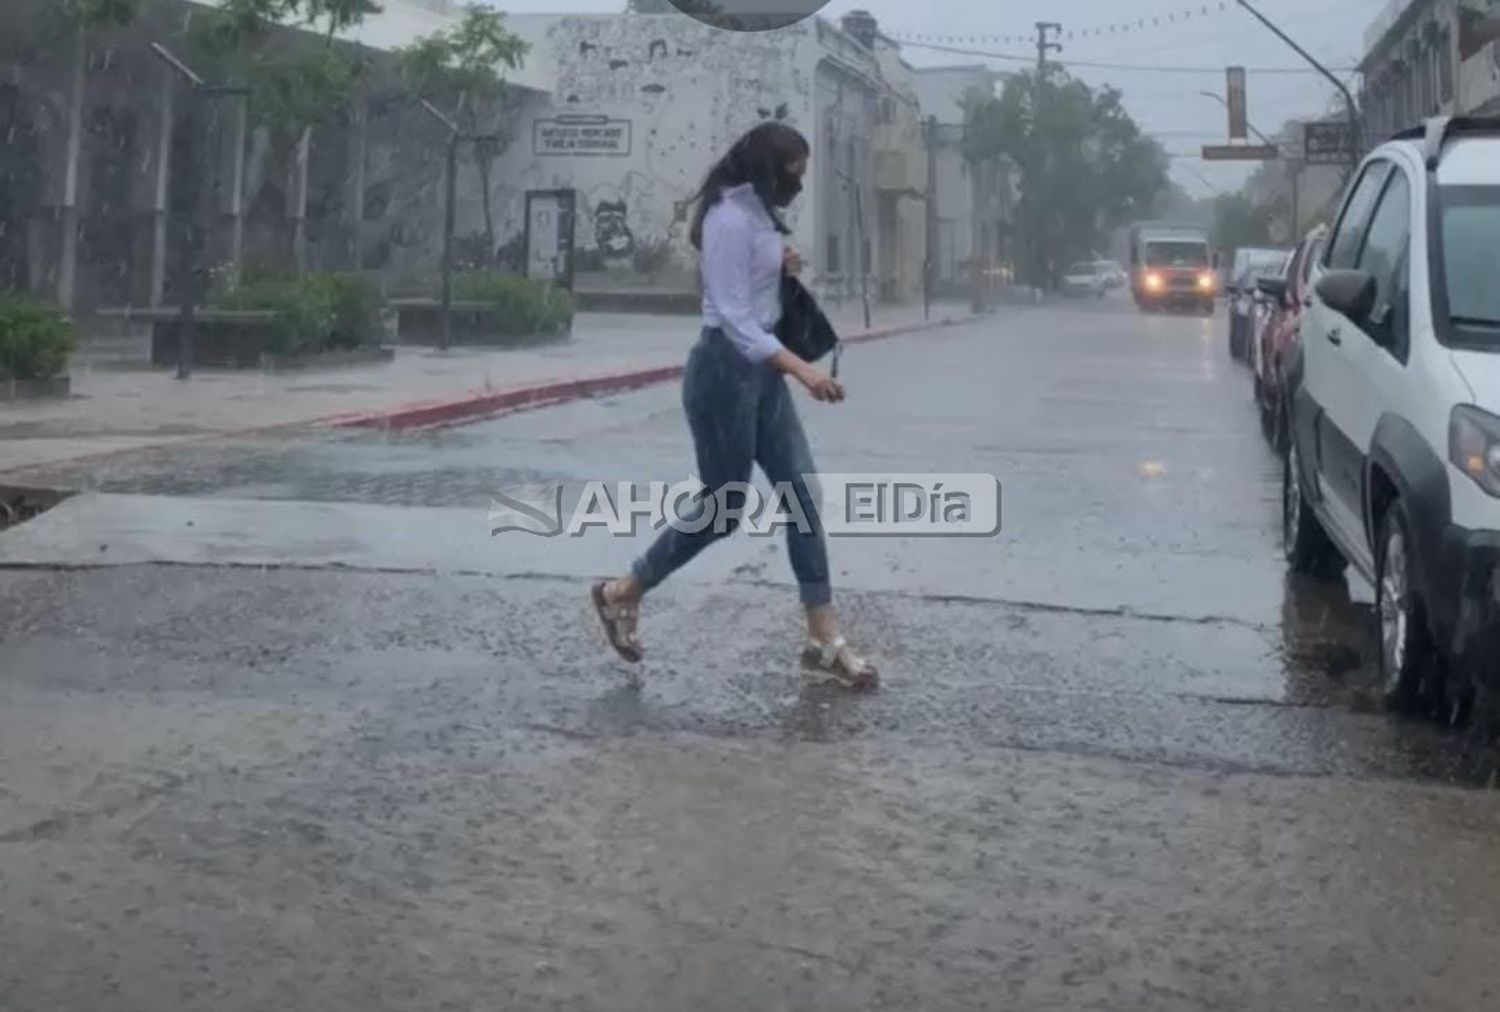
[822, 624]
[624, 590]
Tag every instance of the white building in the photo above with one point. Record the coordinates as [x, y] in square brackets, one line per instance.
[1430, 57]
[641, 105]
[961, 207]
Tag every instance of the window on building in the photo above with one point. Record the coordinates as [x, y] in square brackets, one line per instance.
[834, 266]
[887, 112]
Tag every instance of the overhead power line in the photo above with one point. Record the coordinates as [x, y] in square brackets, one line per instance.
[1105, 65]
[1149, 22]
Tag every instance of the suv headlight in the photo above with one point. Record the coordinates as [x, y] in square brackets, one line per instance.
[1474, 446]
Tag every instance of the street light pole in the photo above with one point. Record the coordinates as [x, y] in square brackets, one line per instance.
[1222, 101]
[189, 219]
[1355, 147]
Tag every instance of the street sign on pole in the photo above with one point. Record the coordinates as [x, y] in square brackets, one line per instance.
[1327, 143]
[1237, 101]
[1240, 153]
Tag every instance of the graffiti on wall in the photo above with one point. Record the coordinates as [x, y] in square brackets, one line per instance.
[652, 112]
[612, 233]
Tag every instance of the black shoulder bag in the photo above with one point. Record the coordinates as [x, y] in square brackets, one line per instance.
[804, 328]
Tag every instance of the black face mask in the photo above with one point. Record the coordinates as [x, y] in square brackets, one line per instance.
[787, 188]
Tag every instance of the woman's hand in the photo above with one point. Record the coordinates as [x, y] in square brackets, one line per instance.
[822, 386]
[791, 261]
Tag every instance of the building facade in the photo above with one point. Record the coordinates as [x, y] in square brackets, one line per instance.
[643, 104]
[1430, 57]
[106, 149]
[625, 111]
[965, 199]
[901, 167]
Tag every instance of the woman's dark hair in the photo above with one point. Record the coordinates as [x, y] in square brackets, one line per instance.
[758, 158]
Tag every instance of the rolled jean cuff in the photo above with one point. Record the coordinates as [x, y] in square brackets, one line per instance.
[815, 595]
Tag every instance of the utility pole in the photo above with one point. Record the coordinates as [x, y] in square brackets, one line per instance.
[1355, 146]
[1040, 267]
[1044, 45]
[930, 261]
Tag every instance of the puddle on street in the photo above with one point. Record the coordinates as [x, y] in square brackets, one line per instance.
[1330, 651]
[1328, 643]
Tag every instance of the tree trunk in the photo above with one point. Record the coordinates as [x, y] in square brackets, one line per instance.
[484, 153]
[300, 174]
[67, 268]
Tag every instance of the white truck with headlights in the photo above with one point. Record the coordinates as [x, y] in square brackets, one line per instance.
[1172, 266]
[1393, 463]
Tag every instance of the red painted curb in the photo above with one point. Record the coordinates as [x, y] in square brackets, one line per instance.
[477, 407]
[470, 408]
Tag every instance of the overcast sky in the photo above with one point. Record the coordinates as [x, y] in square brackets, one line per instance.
[1167, 104]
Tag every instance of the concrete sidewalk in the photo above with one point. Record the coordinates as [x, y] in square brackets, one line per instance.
[114, 410]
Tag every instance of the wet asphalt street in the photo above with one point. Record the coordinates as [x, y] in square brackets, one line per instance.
[381, 760]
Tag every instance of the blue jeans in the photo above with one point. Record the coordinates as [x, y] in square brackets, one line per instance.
[741, 413]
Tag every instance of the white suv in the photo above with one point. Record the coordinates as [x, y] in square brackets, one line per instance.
[1394, 459]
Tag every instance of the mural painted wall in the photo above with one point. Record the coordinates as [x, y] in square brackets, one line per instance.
[642, 107]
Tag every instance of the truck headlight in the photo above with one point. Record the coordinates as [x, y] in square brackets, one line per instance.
[1474, 446]
[1205, 282]
[1154, 282]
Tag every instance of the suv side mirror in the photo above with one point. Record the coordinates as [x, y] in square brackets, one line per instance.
[1272, 287]
[1351, 293]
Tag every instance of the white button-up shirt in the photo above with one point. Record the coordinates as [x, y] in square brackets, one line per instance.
[741, 262]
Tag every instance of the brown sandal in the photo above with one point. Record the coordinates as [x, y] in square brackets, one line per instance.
[836, 661]
[619, 622]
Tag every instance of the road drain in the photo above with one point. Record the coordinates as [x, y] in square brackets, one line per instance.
[18, 505]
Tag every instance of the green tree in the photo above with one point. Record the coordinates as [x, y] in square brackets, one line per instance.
[100, 13]
[295, 84]
[1084, 166]
[469, 61]
[293, 88]
[1238, 221]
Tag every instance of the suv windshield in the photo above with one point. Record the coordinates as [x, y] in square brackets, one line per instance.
[1471, 251]
[1176, 254]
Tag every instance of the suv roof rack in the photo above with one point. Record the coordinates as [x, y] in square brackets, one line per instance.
[1436, 131]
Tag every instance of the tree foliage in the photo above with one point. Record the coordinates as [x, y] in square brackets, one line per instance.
[1240, 221]
[469, 61]
[1084, 166]
[101, 13]
[293, 87]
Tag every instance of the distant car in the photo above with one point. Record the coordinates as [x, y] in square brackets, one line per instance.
[1086, 277]
[1277, 339]
[1246, 304]
[1115, 276]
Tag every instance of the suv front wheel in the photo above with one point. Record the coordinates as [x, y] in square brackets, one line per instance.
[1307, 546]
[1406, 653]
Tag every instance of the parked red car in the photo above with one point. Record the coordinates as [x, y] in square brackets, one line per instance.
[1288, 293]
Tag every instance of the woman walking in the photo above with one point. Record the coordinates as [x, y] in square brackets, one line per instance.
[734, 390]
